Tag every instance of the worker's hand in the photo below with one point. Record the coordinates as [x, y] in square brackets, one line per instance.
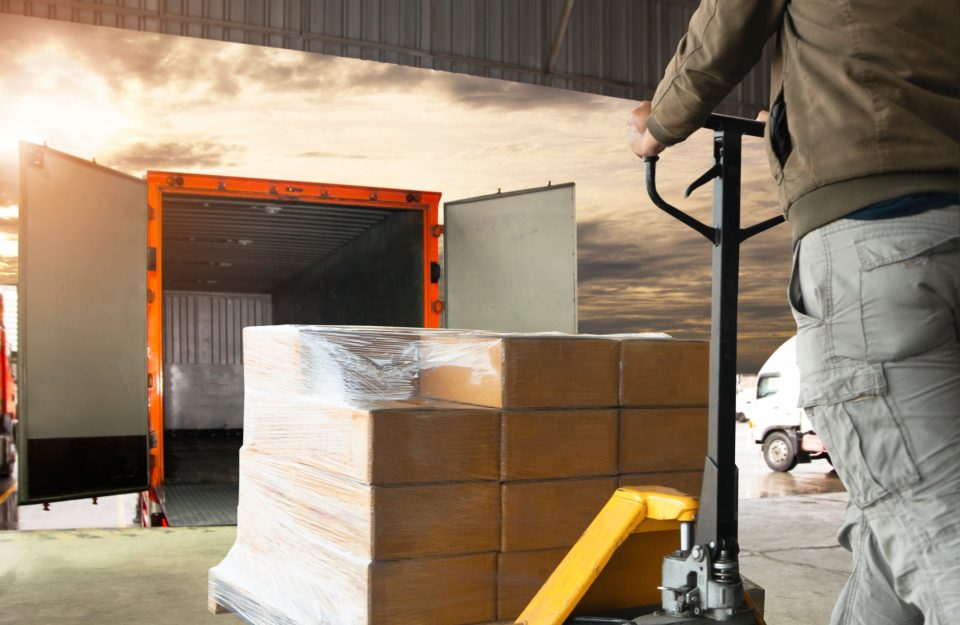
[763, 116]
[640, 140]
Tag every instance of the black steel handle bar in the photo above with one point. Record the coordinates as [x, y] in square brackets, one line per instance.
[715, 122]
[763, 226]
[739, 125]
[650, 163]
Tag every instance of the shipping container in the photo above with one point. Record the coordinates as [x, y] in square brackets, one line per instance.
[134, 294]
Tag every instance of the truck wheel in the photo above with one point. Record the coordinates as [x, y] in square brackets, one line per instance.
[779, 452]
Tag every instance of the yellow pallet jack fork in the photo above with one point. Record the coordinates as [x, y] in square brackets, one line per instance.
[701, 581]
[570, 581]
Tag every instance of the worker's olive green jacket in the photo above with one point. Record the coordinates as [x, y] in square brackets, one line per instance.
[865, 95]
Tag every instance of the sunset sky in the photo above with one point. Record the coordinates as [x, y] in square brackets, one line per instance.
[139, 101]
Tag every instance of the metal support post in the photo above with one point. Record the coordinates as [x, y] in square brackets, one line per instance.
[718, 499]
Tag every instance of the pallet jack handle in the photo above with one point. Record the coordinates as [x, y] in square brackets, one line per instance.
[712, 234]
[717, 522]
[718, 123]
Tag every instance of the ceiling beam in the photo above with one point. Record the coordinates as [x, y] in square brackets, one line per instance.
[559, 36]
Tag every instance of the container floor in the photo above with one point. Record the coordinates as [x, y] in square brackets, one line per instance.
[199, 505]
[202, 481]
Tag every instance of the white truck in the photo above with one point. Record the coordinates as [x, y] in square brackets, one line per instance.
[776, 423]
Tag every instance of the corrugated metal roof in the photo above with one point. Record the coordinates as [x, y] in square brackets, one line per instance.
[611, 47]
[248, 246]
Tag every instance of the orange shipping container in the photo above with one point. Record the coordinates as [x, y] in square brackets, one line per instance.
[163, 274]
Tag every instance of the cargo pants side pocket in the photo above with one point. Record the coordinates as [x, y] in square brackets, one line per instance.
[903, 299]
[846, 397]
[867, 445]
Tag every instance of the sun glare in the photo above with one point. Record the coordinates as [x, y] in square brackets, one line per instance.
[52, 98]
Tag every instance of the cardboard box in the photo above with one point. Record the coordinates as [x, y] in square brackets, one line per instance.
[341, 364]
[382, 443]
[629, 580]
[663, 372]
[442, 591]
[411, 521]
[521, 371]
[272, 358]
[372, 522]
[662, 439]
[689, 482]
[440, 443]
[550, 514]
[547, 444]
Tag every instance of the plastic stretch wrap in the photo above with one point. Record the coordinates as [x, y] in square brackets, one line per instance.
[386, 473]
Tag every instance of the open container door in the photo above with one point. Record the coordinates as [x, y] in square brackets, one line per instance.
[511, 261]
[82, 380]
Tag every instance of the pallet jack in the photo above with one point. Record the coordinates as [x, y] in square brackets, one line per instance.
[701, 581]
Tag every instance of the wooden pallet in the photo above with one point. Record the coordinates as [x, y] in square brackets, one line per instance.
[256, 614]
[245, 608]
[217, 608]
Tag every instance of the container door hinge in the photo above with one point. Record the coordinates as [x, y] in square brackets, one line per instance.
[151, 259]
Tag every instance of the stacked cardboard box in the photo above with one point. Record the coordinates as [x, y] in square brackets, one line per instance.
[663, 412]
[570, 437]
[357, 507]
[437, 478]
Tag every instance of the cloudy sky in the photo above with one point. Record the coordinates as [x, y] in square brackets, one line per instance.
[139, 101]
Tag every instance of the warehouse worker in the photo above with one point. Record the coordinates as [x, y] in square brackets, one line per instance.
[863, 139]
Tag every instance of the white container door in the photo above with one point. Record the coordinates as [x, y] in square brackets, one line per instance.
[82, 383]
[511, 261]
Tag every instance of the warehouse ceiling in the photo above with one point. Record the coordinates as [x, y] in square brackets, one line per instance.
[247, 246]
[610, 47]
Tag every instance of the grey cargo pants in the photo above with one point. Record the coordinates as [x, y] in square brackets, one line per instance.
[877, 305]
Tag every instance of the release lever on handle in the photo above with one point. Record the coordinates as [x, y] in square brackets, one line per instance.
[706, 177]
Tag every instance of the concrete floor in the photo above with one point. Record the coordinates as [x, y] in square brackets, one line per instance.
[154, 576]
[144, 576]
[789, 547]
[109, 577]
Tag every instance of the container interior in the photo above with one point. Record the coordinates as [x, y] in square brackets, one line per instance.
[229, 263]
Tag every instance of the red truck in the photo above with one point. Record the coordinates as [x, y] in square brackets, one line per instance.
[8, 404]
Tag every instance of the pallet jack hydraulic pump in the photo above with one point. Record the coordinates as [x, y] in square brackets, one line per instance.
[701, 580]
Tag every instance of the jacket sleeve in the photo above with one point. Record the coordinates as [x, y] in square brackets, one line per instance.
[724, 41]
